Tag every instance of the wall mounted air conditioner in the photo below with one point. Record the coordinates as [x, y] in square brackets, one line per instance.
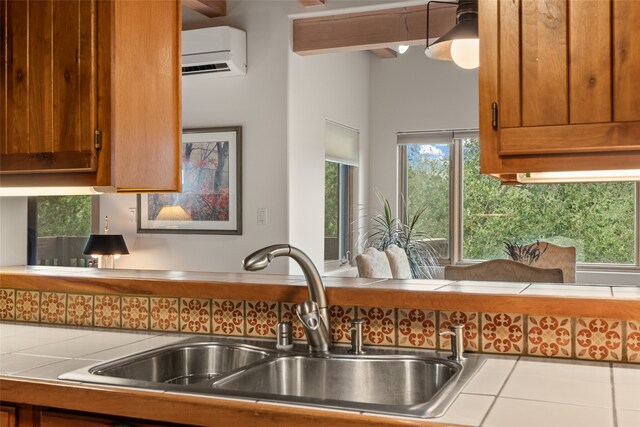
[219, 51]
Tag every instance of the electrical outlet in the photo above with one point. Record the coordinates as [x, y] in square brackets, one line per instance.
[262, 216]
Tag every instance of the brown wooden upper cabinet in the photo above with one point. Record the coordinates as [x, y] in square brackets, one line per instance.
[559, 85]
[91, 94]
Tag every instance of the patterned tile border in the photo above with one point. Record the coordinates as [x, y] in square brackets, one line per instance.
[417, 328]
[633, 341]
[502, 333]
[80, 310]
[7, 304]
[341, 318]
[549, 336]
[106, 311]
[598, 339]
[261, 318]
[379, 325]
[506, 333]
[164, 314]
[28, 306]
[135, 312]
[195, 315]
[227, 317]
[53, 307]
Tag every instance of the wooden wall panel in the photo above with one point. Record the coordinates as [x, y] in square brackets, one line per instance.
[147, 127]
[510, 114]
[88, 76]
[40, 78]
[3, 76]
[626, 60]
[15, 117]
[66, 75]
[488, 79]
[545, 97]
[589, 61]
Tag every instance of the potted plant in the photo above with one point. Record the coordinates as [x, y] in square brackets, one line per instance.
[384, 230]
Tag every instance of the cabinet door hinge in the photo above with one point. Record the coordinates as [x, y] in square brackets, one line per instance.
[494, 115]
[97, 139]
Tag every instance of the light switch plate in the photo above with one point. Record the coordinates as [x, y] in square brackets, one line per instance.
[262, 216]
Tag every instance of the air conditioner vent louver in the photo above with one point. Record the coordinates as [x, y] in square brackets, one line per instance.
[219, 51]
[202, 69]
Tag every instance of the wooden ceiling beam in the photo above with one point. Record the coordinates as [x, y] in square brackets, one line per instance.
[384, 53]
[209, 8]
[307, 3]
[370, 30]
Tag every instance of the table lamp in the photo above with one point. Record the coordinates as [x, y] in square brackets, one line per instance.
[106, 247]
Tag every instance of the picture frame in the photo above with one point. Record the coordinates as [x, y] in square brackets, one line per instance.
[211, 198]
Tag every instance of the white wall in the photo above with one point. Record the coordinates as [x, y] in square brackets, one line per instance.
[414, 93]
[259, 103]
[13, 231]
[336, 87]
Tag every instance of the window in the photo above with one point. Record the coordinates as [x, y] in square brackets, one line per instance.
[341, 160]
[336, 211]
[59, 227]
[477, 214]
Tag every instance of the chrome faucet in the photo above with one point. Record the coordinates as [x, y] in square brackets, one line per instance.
[313, 314]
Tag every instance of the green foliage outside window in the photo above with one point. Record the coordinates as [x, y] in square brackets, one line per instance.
[64, 216]
[331, 199]
[596, 218]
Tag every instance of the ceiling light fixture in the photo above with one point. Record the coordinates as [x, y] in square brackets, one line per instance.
[403, 48]
[460, 44]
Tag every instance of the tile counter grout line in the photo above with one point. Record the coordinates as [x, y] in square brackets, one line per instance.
[613, 396]
[495, 399]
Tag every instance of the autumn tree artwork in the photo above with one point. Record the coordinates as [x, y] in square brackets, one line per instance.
[211, 197]
[205, 183]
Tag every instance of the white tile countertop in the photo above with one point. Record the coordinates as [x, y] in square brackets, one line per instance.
[506, 391]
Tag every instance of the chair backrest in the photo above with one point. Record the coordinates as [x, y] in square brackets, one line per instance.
[503, 270]
[373, 264]
[399, 262]
[562, 257]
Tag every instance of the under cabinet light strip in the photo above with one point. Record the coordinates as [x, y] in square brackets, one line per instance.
[579, 176]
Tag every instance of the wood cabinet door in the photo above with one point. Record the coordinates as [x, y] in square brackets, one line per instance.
[559, 86]
[7, 416]
[48, 78]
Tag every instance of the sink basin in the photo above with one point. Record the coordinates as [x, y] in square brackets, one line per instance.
[181, 364]
[398, 384]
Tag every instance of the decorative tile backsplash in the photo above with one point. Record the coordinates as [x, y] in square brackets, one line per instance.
[505, 333]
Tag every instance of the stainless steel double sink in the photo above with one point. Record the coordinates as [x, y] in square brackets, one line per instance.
[409, 384]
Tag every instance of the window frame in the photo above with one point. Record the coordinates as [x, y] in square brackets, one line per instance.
[345, 217]
[456, 198]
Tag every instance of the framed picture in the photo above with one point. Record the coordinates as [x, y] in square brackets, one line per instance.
[211, 197]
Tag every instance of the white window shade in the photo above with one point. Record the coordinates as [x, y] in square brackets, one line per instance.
[341, 143]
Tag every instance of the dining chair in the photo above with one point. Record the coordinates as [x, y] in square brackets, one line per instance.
[503, 270]
[562, 257]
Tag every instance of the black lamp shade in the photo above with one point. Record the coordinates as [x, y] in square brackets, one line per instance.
[106, 244]
[441, 49]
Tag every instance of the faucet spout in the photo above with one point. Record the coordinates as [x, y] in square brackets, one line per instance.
[317, 294]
